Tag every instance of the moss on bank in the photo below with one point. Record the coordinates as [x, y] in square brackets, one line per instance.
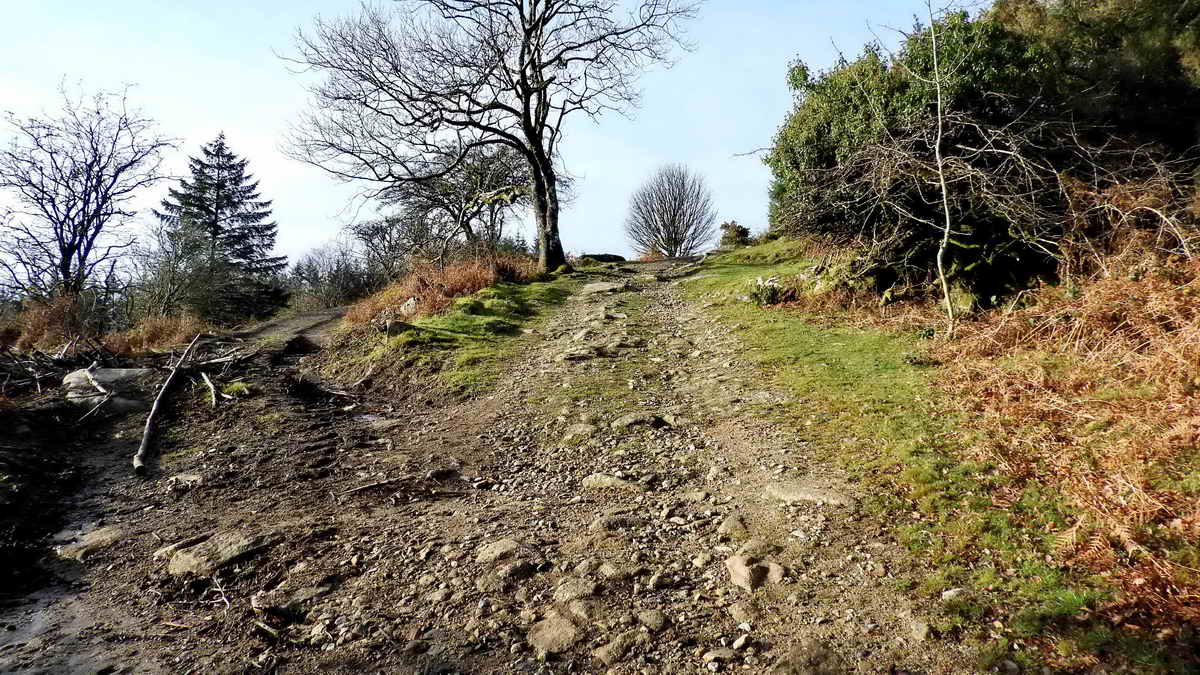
[464, 346]
[866, 403]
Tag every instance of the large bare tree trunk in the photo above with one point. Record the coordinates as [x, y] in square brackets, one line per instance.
[545, 204]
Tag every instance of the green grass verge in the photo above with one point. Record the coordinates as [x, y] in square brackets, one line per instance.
[862, 402]
[466, 345]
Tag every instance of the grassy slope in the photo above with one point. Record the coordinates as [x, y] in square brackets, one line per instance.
[866, 406]
[466, 345]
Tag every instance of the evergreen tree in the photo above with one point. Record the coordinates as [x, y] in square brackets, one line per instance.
[235, 276]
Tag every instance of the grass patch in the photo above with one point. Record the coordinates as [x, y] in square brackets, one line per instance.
[863, 401]
[465, 344]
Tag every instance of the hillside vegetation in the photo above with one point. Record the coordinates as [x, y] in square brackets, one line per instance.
[1057, 465]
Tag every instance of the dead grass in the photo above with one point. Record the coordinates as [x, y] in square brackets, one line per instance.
[48, 325]
[155, 334]
[434, 289]
[1095, 392]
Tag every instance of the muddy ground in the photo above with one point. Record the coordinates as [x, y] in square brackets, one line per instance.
[596, 512]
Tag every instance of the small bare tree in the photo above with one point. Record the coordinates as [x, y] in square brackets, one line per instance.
[672, 214]
[72, 177]
[402, 86]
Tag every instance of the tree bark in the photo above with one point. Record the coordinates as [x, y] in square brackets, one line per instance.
[545, 204]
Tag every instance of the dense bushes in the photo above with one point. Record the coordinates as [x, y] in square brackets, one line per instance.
[1036, 173]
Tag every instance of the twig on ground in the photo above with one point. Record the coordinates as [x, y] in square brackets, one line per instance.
[212, 390]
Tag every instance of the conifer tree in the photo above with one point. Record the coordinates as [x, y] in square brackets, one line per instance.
[233, 272]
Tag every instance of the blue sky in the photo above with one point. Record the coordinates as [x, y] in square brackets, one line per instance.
[203, 67]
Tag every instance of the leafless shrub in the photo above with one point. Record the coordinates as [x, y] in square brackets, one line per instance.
[671, 214]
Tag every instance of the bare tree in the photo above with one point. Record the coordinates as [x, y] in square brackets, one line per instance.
[402, 86]
[72, 177]
[672, 214]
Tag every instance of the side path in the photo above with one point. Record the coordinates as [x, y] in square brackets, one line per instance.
[613, 506]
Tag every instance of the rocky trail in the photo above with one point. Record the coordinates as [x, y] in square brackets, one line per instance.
[615, 504]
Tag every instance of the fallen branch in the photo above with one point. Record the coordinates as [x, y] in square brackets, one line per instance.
[212, 390]
[139, 460]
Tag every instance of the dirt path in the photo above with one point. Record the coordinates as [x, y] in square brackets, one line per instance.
[314, 325]
[584, 517]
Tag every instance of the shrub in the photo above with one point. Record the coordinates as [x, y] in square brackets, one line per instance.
[156, 333]
[1033, 178]
[51, 324]
[1094, 391]
[766, 291]
[734, 235]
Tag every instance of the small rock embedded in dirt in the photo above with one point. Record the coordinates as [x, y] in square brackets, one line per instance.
[615, 572]
[742, 613]
[603, 287]
[792, 493]
[652, 619]
[614, 523]
[724, 654]
[757, 548]
[579, 432]
[585, 609]
[223, 548]
[497, 550]
[184, 481]
[633, 419]
[517, 569]
[919, 630]
[91, 542]
[952, 594]
[810, 658]
[733, 527]
[117, 382]
[601, 481]
[745, 573]
[554, 634]
[574, 589]
[615, 651]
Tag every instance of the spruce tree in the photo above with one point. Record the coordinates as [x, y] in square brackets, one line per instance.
[236, 275]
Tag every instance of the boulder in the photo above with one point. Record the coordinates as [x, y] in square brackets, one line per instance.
[122, 385]
[603, 257]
